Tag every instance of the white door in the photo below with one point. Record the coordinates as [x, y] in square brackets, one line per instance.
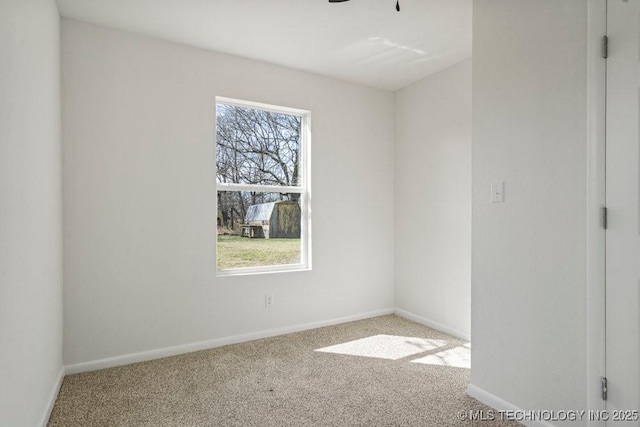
[623, 203]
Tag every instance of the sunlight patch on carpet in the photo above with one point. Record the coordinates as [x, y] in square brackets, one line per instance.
[459, 357]
[390, 347]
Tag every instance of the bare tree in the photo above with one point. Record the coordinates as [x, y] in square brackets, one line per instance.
[255, 147]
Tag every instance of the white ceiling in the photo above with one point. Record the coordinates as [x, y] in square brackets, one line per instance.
[363, 41]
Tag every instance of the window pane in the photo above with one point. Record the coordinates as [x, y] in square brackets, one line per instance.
[258, 229]
[257, 147]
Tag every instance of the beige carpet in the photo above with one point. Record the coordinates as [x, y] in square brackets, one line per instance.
[284, 381]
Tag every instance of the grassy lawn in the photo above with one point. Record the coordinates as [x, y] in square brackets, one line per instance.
[238, 252]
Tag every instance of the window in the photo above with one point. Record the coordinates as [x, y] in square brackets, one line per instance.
[262, 182]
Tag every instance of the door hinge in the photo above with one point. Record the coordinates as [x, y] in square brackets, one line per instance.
[605, 47]
[604, 217]
[603, 382]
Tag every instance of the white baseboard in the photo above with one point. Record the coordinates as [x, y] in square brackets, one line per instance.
[432, 324]
[54, 396]
[218, 342]
[501, 405]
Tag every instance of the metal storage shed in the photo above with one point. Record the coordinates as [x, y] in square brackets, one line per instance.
[273, 220]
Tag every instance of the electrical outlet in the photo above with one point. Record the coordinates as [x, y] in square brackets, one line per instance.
[497, 192]
[268, 300]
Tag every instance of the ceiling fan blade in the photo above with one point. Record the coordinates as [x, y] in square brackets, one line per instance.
[341, 1]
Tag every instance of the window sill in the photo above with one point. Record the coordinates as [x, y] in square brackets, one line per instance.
[250, 271]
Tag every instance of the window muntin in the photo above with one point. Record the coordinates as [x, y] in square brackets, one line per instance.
[262, 180]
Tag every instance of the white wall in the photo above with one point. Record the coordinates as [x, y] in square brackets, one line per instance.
[528, 262]
[30, 211]
[433, 199]
[139, 196]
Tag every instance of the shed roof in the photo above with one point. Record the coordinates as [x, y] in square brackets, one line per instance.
[259, 212]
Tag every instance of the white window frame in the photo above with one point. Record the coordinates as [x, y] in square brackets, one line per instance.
[304, 189]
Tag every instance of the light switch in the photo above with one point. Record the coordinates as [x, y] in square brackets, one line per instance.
[497, 192]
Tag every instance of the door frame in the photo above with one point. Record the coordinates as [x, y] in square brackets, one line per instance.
[596, 200]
